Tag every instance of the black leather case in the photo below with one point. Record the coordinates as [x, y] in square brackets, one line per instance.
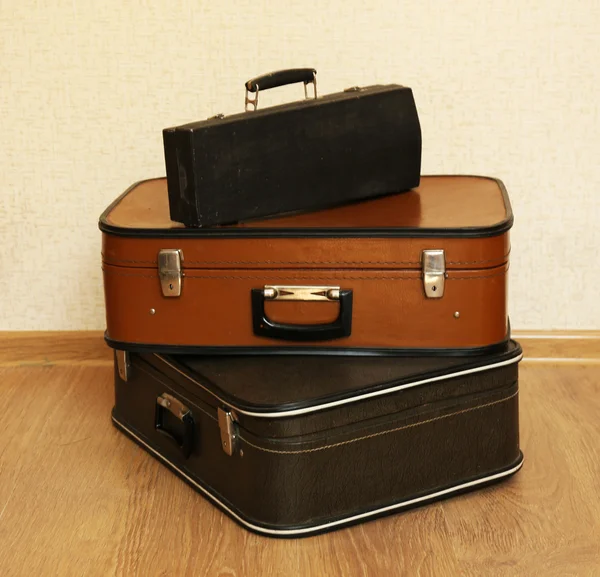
[305, 155]
[292, 446]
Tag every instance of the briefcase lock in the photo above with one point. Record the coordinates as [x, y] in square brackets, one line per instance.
[434, 273]
[169, 271]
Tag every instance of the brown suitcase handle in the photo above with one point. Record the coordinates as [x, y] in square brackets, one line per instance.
[264, 327]
[280, 78]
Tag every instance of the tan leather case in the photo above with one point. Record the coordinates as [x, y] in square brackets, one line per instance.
[372, 282]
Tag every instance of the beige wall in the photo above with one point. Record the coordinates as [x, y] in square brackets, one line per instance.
[508, 88]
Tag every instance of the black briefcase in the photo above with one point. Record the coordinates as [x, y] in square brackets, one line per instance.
[305, 155]
[292, 446]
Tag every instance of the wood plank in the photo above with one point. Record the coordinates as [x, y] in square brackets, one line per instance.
[54, 348]
[79, 498]
[545, 520]
[87, 348]
[562, 346]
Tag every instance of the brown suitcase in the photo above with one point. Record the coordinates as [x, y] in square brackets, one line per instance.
[424, 270]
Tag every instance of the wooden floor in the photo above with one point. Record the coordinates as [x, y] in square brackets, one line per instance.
[78, 498]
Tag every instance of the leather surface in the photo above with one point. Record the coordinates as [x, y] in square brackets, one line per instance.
[312, 478]
[440, 202]
[274, 384]
[294, 253]
[389, 310]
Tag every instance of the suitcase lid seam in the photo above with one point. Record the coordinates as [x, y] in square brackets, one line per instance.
[335, 403]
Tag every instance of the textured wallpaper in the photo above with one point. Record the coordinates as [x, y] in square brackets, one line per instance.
[504, 88]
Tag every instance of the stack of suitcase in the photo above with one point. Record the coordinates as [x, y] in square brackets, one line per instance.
[305, 330]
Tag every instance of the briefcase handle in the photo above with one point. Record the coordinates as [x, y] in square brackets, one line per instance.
[280, 78]
[265, 327]
[167, 402]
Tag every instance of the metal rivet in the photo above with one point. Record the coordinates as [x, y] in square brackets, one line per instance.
[333, 294]
[152, 311]
[456, 314]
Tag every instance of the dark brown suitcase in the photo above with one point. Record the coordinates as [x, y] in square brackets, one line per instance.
[292, 446]
[424, 270]
[299, 156]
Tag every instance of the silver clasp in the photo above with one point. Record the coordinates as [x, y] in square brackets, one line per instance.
[434, 273]
[169, 271]
[122, 364]
[227, 429]
[173, 405]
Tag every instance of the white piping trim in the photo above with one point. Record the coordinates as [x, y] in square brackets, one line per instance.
[331, 404]
[331, 524]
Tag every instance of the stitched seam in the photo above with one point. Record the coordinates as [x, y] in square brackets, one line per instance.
[299, 262]
[302, 262]
[404, 427]
[113, 273]
[476, 277]
[299, 278]
[504, 257]
[110, 260]
[502, 261]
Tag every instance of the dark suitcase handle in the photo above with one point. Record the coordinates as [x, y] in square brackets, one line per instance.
[280, 78]
[169, 403]
[265, 327]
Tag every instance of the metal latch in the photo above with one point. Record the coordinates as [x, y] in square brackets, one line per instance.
[434, 273]
[227, 428]
[123, 364]
[173, 405]
[169, 271]
[184, 441]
